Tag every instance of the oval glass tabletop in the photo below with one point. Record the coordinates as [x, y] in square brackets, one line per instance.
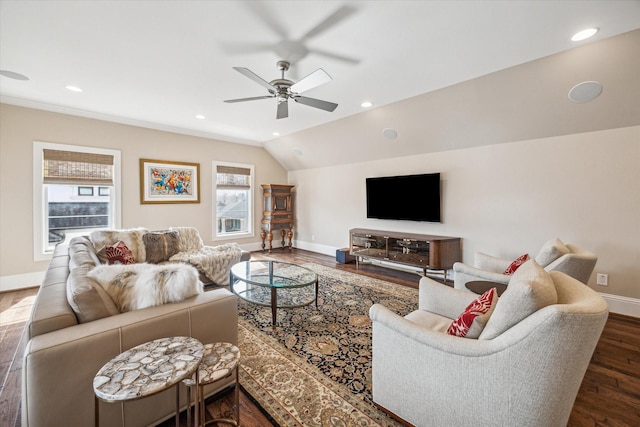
[274, 284]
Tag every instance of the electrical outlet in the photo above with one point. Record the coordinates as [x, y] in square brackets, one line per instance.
[313, 237]
[602, 279]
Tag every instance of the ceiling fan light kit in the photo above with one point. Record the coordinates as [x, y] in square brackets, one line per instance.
[284, 89]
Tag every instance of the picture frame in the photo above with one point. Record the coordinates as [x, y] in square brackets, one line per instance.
[163, 181]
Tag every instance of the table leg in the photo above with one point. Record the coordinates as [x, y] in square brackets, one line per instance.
[96, 411]
[270, 239]
[237, 410]
[189, 405]
[316, 286]
[178, 405]
[274, 306]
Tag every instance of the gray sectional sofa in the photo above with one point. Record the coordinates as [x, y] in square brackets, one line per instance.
[66, 348]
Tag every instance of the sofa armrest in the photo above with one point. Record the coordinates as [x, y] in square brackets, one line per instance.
[442, 299]
[51, 392]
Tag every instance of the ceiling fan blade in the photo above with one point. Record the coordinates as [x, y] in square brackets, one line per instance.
[317, 78]
[331, 20]
[249, 99]
[256, 78]
[317, 103]
[266, 14]
[283, 109]
[337, 57]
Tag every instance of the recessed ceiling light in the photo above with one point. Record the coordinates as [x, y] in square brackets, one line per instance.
[366, 104]
[200, 116]
[13, 75]
[584, 34]
[276, 134]
[73, 88]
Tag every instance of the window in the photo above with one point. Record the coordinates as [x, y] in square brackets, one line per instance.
[85, 191]
[68, 196]
[233, 200]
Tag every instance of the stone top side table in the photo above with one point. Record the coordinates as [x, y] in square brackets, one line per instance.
[220, 360]
[148, 369]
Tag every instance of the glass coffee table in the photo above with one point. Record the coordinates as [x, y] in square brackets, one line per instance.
[274, 284]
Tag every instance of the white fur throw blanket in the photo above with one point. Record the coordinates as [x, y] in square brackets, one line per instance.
[214, 261]
[135, 286]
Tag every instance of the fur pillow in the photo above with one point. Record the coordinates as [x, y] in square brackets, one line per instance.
[136, 286]
[132, 239]
[160, 245]
[189, 239]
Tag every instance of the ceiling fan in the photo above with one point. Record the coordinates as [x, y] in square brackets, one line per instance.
[284, 89]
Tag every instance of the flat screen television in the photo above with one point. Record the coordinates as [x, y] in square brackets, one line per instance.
[406, 197]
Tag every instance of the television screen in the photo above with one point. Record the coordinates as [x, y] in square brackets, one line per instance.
[407, 197]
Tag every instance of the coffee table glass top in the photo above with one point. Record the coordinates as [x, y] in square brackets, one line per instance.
[148, 368]
[255, 280]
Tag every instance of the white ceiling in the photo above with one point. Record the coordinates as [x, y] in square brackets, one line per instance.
[159, 63]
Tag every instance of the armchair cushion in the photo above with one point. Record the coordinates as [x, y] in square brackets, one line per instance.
[551, 250]
[530, 289]
[516, 264]
[474, 318]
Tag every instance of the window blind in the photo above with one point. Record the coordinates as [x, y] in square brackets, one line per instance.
[74, 167]
[233, 178]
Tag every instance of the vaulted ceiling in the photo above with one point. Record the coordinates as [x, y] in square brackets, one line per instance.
[158, 64]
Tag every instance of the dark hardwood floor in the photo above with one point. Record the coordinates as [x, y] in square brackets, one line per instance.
[609, 395]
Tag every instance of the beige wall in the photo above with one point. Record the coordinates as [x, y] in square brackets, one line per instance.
[19, 127]
[503, 199]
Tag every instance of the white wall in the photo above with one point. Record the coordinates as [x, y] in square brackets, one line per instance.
[503, 199]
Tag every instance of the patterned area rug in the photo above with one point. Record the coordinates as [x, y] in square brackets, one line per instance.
[314, 368]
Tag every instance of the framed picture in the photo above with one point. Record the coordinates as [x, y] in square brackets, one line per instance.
[164, 181]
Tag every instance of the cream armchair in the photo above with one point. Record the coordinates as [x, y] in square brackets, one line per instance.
[553, 256]
[521, 371]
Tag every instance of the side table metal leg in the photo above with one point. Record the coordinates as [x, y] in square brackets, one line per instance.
[189, 406]
[96, 411]
[237, 410]
[178, 405]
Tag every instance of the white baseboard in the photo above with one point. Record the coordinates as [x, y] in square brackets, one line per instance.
[622, 305]
[314, 247]
[21, 281]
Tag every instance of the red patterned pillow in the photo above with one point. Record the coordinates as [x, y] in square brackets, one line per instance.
[515, 264]
[119, 254]
[473, 319]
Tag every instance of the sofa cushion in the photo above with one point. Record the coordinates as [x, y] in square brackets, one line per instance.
[530, 289]
[474, 318]
[136, 286]
[87, 299]
[550, 251]
[161, 245]
[132, 238]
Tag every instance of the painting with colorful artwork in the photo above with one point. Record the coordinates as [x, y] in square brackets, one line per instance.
[169, 182]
